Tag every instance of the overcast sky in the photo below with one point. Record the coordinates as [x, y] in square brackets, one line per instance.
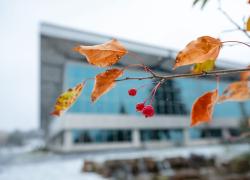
[166, 23]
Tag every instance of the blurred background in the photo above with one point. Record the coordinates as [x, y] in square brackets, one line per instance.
[109, 139]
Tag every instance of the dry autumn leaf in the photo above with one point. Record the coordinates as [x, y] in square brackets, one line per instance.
[67, 99]
[203, 67]
[245, 75]
[103, 55]
[236, 91]
[202, 109]
[104, 82]
[248, 24]
[198, 51]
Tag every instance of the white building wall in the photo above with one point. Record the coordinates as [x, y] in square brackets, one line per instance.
[70, 122]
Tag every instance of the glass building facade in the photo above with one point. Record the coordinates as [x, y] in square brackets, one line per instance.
[175, 97]
[101, 136]
[115, 101]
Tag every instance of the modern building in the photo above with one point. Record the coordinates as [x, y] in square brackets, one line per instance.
[113, 122]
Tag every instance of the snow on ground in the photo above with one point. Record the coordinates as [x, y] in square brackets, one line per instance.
[222, 152]
[50, 166]
[48, 170]
[28, 146]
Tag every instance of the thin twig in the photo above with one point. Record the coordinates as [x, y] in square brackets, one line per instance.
[246, 44]
[146, 68]
[136, 78]
[233, 22]
[229, 30]
[186, 75]
[140, 59]
[155, 89]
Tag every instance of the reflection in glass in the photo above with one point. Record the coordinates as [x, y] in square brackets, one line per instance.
[101, 136]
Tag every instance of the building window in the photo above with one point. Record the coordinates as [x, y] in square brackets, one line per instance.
[101, 136]
[161, 135]
[234, 132]
[205, 133]
[168, 100]
[211, 133]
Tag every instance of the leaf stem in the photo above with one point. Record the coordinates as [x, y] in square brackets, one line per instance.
[154, 91]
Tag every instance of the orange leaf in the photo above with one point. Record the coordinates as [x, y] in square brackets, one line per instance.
[103, 55]
[198, 51]
[67, 99]
[202, 109]
[248, 24]
[104, 82]
[236, 91]
[245, 75]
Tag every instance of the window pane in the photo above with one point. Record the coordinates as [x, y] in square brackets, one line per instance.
[101, 136]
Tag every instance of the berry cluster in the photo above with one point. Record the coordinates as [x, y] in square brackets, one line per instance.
[146, 110]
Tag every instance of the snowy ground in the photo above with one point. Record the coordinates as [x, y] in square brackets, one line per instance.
[48, 166]
[48, 170]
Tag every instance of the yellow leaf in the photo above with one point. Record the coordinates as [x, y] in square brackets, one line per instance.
[203, 67]
[103, 55]
[248, 24]
[104, 82]
[67, 99]
[198, 51]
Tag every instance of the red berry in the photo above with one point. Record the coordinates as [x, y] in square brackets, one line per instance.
[139, 106]
[148, 111]
[132, 92]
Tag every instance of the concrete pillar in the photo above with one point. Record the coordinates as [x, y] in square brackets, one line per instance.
[68, 141]
[186, 137]
[225, 134]
[136, 139]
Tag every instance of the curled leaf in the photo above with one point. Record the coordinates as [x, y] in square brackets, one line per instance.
[103, 55]
[67, 99]
[202, 109]
[198, 51]
[104, 82]
[203, 67]
[245, 75]
[248, 24]
[236, 91]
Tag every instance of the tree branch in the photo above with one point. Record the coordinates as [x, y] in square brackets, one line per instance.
[233, 22]
[186, 75]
